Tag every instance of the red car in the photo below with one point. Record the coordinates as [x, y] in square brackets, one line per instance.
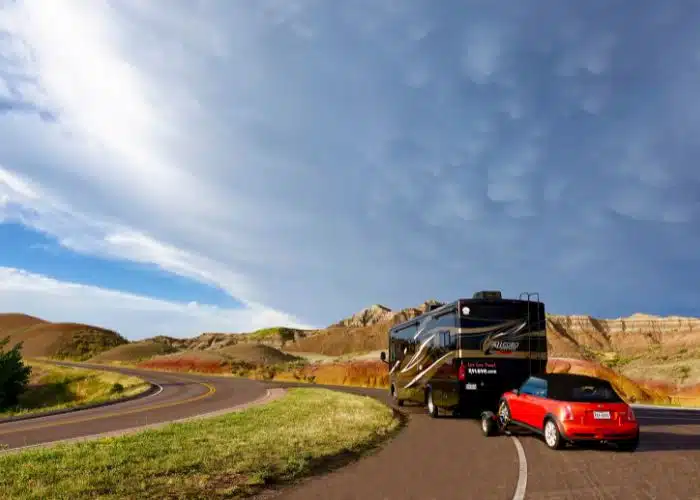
[566, 408]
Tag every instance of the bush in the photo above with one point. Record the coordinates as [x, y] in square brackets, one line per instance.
[14, 375]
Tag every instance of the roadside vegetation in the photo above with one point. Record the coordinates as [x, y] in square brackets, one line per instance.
[14, 374]
[230, 456]
[52, 387]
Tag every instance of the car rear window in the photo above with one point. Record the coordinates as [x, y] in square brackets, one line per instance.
[585, 393]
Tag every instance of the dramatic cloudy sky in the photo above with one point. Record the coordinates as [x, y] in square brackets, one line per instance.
[173, 167]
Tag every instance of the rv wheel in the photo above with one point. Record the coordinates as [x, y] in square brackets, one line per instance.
[432, 407]
[395, 396]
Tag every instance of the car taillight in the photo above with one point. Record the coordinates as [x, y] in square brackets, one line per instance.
[567, 413]
[630, 414]
[462, 373]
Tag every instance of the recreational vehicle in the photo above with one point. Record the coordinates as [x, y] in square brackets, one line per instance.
[463, 355]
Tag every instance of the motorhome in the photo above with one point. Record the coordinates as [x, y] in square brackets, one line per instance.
[463, 355]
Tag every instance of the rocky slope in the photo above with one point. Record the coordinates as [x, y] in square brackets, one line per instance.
[632, 335]
[377, 313]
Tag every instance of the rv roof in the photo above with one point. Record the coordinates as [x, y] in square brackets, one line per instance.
[453, 305]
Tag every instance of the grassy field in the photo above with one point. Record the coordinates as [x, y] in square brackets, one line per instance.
[56, 387]
[231, 456]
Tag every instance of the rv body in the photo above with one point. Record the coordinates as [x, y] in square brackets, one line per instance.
[466, 353]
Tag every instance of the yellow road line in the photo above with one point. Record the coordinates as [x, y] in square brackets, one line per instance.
[210, 391]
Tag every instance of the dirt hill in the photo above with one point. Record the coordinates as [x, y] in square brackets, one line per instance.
[277, 337]
[224, 360]
[57, 340]
[133, 352]
[639, 346]
[361, 332]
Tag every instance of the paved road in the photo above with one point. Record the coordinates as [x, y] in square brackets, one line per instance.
[430, 459]
[182, 396]
[449, 458]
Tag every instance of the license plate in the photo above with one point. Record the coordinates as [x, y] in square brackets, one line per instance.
[601, 415]
[471, 387]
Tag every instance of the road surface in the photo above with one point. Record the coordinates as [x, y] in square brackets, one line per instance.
[178, 396]
[445, 458]
[448, 458]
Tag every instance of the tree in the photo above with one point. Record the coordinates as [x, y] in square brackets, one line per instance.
[14, 375]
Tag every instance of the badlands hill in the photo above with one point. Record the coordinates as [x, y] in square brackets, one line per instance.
[640, 346]
[42, 338]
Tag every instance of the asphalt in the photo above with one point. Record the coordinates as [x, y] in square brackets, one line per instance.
[445, 458]
[182, 396]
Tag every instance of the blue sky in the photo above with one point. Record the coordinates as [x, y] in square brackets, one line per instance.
[224, 166]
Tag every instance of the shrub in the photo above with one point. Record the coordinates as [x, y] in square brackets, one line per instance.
[14, 375]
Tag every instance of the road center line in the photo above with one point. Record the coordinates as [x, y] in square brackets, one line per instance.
[522, 470]
[210, 391]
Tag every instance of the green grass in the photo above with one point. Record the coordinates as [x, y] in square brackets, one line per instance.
[58, 387]
[286, 334]
[87, 343]
[230, 456]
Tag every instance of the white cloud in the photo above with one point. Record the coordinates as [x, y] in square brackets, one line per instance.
[133, 316]
[298, 154]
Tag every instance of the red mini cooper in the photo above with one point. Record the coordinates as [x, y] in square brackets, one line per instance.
[566, 408]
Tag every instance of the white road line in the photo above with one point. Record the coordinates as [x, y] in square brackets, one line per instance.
[270, 394]
[522, 470]
[160, 389]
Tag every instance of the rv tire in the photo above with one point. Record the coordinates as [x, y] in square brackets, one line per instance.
[433, 410]
[395, 397]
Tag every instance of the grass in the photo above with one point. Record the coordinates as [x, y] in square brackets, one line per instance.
[353, 373]
[57, 387]
[281, 333]
[85, 342]
[231, 456]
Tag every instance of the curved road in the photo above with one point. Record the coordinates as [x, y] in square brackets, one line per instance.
[429, 459]
[179, 396]
[448, 458]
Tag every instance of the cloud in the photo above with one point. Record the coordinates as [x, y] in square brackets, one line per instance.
[133, 316]
[315, 159]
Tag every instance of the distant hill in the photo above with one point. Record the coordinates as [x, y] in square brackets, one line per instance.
[42, 338]
[134, 352]
[361, 332]
[640, 346]
[275, 337]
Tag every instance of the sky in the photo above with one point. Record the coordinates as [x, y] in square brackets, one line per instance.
[227, 166]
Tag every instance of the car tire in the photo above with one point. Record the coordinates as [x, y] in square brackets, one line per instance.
[552, 436]
[630, 445]
[488, 424]
[504, 416]
[433, 410]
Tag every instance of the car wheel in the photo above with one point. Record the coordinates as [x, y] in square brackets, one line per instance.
[504, 416]
[552, 437]
[629, 445]
[432, 407]
[488, 424]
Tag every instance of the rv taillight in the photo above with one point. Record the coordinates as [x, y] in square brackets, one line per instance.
[630, 414]
[462, 374]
